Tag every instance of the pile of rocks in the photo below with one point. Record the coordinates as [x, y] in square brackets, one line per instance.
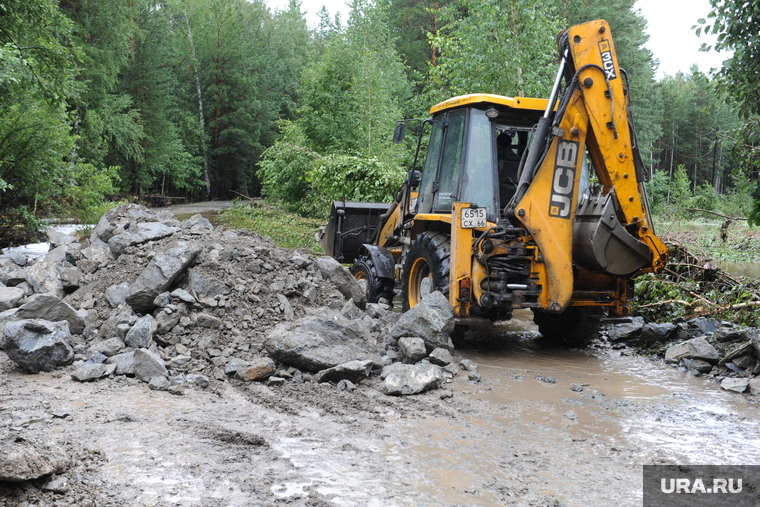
[178, 304]
[722, 351]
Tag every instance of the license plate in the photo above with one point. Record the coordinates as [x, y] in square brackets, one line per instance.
[473, 217]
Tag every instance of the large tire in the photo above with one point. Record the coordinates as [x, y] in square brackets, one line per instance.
[377, 287]
[576, 325]
[426, 268]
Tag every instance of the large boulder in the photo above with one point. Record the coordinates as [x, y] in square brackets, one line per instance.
[38, 345]
[403, 379]
[317, 343]
[141, 233]
[159, 275]
[696, 348]
[52, 308]
[626, 331]
[26, 460]
[654, 333]
[432, 319]
[334, 271]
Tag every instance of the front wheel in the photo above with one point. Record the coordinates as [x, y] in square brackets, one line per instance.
[377, 287]
[426, 268]
[577, 325]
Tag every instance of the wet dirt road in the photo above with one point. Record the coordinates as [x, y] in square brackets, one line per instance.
[546, 426]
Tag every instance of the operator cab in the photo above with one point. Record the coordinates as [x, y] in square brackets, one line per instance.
[476, 144]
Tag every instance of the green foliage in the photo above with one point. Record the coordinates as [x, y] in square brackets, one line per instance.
[499, 47]
[355, 178]
[658, 189]
[86, 190]
[286, 230]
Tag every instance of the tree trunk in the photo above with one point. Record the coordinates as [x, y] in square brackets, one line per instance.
[201, 118]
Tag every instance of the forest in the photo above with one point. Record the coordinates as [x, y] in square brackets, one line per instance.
[110, 100]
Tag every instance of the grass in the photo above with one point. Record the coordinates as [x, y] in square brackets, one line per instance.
[704, 237]
[287, 230]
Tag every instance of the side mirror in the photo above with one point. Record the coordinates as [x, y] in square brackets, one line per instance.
[414, 179]
[399, 133]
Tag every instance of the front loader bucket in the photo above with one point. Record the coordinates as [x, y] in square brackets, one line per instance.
[600, 243]
[351, 225]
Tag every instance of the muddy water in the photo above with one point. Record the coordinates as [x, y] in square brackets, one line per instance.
[544, 420]
[749, 269]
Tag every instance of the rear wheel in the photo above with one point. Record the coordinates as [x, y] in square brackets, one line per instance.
[377, 287]
[426, 268]
[577, 324]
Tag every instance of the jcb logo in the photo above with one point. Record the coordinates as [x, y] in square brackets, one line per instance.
[564, 179]
[607, 63]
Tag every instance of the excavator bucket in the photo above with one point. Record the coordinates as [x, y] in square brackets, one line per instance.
[600, 243]
[351, 225]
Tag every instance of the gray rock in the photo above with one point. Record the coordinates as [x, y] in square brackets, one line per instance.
[352, 370]
[57, 254]
[183, 295]
[13, 277]
[258, 369]
[345, 385]
[732, 334]
[159, 275]
[38, 345]
[58, 485]
[158, 384]
[407, 379]
[71, 277]
[51, 308]
[343, 280]
[737, 385]
[165, 321]
[654, 333]
[125, 363]
[17, 257]
[235, 364]
[10, 297]
[474, 376]
[202, 286]
[699, 365]
[208, 321]
[626, 331]
[316, 343]
[141, 334]
[22, 459]
[148, 365]
[118, 324]
[696, 348]
[441, 357]
[178, 361]
[468, 364]
[162, 300]
[43, 277]
[97, 253]
[93, 371]
[411, 350]
[742, 350]
[198, 379]
[117, 294]
[704, 325]
[432, 319]
[197, 223]
[144, 232]
[97, 357]
[109, 347]
[754, 386]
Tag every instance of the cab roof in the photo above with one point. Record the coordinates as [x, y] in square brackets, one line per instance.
[487, 98]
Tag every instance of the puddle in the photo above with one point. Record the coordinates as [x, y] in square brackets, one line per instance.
[577, 406]
[748, 269]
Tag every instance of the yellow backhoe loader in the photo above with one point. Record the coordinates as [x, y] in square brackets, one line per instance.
[520, 203]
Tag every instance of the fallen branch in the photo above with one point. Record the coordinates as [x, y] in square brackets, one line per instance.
[669, 301]
[241, 195]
